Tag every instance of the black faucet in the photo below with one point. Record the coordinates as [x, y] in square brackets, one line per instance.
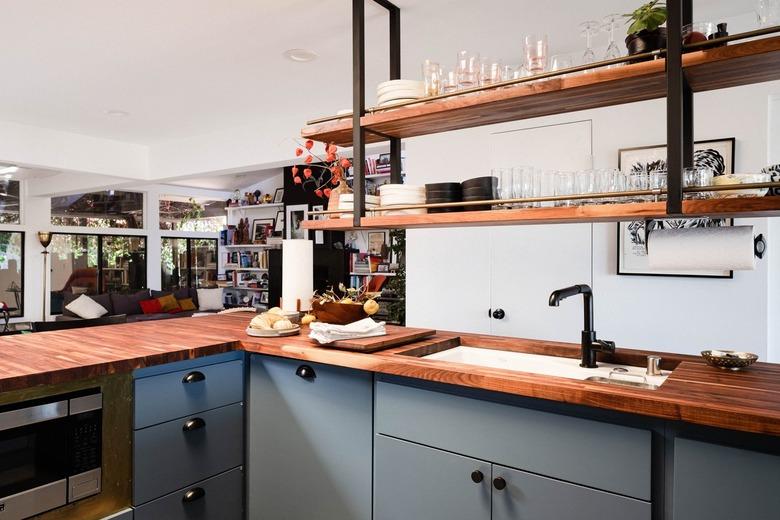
[590, 345]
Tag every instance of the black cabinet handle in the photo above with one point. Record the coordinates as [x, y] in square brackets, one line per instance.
[306, 372]
[477, 476]
[191, 495]
[193, 377]
[499, 483]
[196, 423]
[499, 314]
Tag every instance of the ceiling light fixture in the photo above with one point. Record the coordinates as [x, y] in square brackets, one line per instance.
[117, 113]
[300, 55]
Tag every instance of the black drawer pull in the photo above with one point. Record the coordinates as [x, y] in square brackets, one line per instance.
[191, 495]
[477, 476]
[195, 423]
[194, 377]
[499, 483]
[306, 372]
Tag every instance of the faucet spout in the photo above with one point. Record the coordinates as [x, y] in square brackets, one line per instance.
[590, 345]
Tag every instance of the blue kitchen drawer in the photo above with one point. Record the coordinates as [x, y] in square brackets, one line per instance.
[169, 396]
[166, 457]
[596, 454]
[219, 497]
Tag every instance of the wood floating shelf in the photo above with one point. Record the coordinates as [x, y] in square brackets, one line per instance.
[715, 68]
[722, 207]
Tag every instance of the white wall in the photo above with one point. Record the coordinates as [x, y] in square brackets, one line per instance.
[667, 314]
[773, 253]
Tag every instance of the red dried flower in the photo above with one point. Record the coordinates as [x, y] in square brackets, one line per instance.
[345, 163]
[297, 180]
[330, 157]
[298, 152]
[307, 172]
[294, 171]
[309, 144]
[326, 191]
[308, 159]
[332, 148]
[318, 193]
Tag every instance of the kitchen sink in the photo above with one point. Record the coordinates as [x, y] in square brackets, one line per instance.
[607, 373]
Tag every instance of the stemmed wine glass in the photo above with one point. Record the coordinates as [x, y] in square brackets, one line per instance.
[610, 24]
[589, 29]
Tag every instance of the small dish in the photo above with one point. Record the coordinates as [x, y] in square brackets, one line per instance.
[728, 359]
[258, 333]
[741, 178]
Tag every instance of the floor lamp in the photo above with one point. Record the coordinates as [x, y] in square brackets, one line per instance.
[44, 237]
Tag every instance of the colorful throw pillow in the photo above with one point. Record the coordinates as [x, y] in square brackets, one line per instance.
[151, 306]
[86, 308]
[168, 303]
[187, 304]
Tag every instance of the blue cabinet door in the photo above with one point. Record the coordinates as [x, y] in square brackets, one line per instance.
[521, 495]
[309, 440]
[416, 482]
[714, 482]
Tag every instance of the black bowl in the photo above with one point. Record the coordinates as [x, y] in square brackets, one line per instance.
[443, 186]
[444, 210]
[444, 193]
[477, 182]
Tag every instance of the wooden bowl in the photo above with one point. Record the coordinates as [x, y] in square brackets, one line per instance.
[338, 313]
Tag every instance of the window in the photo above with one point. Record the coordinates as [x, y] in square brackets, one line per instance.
[12, 271]
[189, 262]
[190, 214]
[91, 264]
[100, 209]
[9, 202]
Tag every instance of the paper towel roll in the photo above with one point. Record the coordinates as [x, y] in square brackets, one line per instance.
[698, 249]
[297, 274]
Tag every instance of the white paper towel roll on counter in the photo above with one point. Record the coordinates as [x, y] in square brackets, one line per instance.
[696, 249]
[297, 274]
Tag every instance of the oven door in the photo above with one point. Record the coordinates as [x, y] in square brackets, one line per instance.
[33, 458]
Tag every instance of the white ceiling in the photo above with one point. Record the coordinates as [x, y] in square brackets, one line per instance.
[184, 68]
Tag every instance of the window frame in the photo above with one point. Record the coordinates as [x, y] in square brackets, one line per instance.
[22, 267]
[142, 229]
[189, 254]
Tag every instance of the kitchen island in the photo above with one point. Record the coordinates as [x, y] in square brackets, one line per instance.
[394, 435]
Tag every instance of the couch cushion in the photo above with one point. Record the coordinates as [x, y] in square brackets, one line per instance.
[151, 306]
[210, 299]
[128, 303]
[187, 304]
[103, 299]
[86, 308]
[168, 303]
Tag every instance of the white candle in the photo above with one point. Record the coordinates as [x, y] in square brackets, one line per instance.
[297, 274]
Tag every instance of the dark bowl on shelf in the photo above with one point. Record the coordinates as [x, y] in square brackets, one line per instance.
[470, 192]
[481, 182]
[444, 193]
[443, 198]
[445, 210]
[443, 186]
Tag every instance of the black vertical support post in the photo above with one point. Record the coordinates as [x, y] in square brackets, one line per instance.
[395, 73]
[679, 105]
[358, 108]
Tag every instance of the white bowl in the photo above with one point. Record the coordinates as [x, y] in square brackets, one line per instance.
[350, 197]
[399, 94]
[399, 83]
[741, 178]
[420, 211]
[405, 188]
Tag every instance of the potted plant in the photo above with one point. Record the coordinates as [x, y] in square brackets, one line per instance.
[645, 33]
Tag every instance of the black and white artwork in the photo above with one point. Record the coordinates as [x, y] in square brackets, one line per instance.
[632, 259]
[774, 171]
[294, 218]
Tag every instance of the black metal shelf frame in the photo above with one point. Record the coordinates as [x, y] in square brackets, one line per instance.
[679, 102]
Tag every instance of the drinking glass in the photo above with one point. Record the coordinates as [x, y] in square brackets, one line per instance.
[583, 184]
[523, 178]
[536, 53]
[449, 81]
[467, 69]
[602, 183]
[564, 185]
[505, 182]
[699, 177]
[638, 181]
[768, 12]
[612, 22]
[490, 71]
[432, 76]
[618, 185]
[560, 62]
[657, 180]
[589, 28]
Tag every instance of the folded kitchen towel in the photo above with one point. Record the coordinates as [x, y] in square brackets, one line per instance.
[325, 333]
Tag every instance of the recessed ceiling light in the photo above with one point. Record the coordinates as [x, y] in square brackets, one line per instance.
[117, 113]
[300, 55]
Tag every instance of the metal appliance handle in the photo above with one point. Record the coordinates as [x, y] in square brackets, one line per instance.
[33, 414]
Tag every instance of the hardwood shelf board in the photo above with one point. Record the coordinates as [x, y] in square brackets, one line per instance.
[721, 67]
[726, 207]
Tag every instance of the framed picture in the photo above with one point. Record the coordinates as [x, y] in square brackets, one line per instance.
[294, 217]
[260, 229]
[264, 297]
[718, 154]
[383, 268]
[319, 235]
[279, 196]
[376, 242]
[279, 223]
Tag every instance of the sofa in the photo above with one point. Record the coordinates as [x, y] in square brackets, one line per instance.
[129, 304]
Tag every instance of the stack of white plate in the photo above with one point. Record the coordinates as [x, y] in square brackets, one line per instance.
[399, 90]
[402, 195]
[347, 203]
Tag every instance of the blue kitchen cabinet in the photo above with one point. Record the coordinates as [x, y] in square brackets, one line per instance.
[413, 481]
[715, 482]
[309, 432]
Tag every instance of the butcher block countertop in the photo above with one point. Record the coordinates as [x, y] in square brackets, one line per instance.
[745, 401]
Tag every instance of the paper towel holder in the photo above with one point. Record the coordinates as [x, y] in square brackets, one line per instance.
[759, 242]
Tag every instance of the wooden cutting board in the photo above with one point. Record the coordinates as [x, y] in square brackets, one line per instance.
[395, 337]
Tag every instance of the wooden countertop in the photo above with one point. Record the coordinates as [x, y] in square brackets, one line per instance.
[746, 401]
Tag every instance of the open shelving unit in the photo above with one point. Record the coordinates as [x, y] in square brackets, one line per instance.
[675, 73]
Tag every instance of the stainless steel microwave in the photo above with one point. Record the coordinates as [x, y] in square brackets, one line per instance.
[50, 452]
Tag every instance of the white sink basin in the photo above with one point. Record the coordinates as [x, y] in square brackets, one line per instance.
[550, 366]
